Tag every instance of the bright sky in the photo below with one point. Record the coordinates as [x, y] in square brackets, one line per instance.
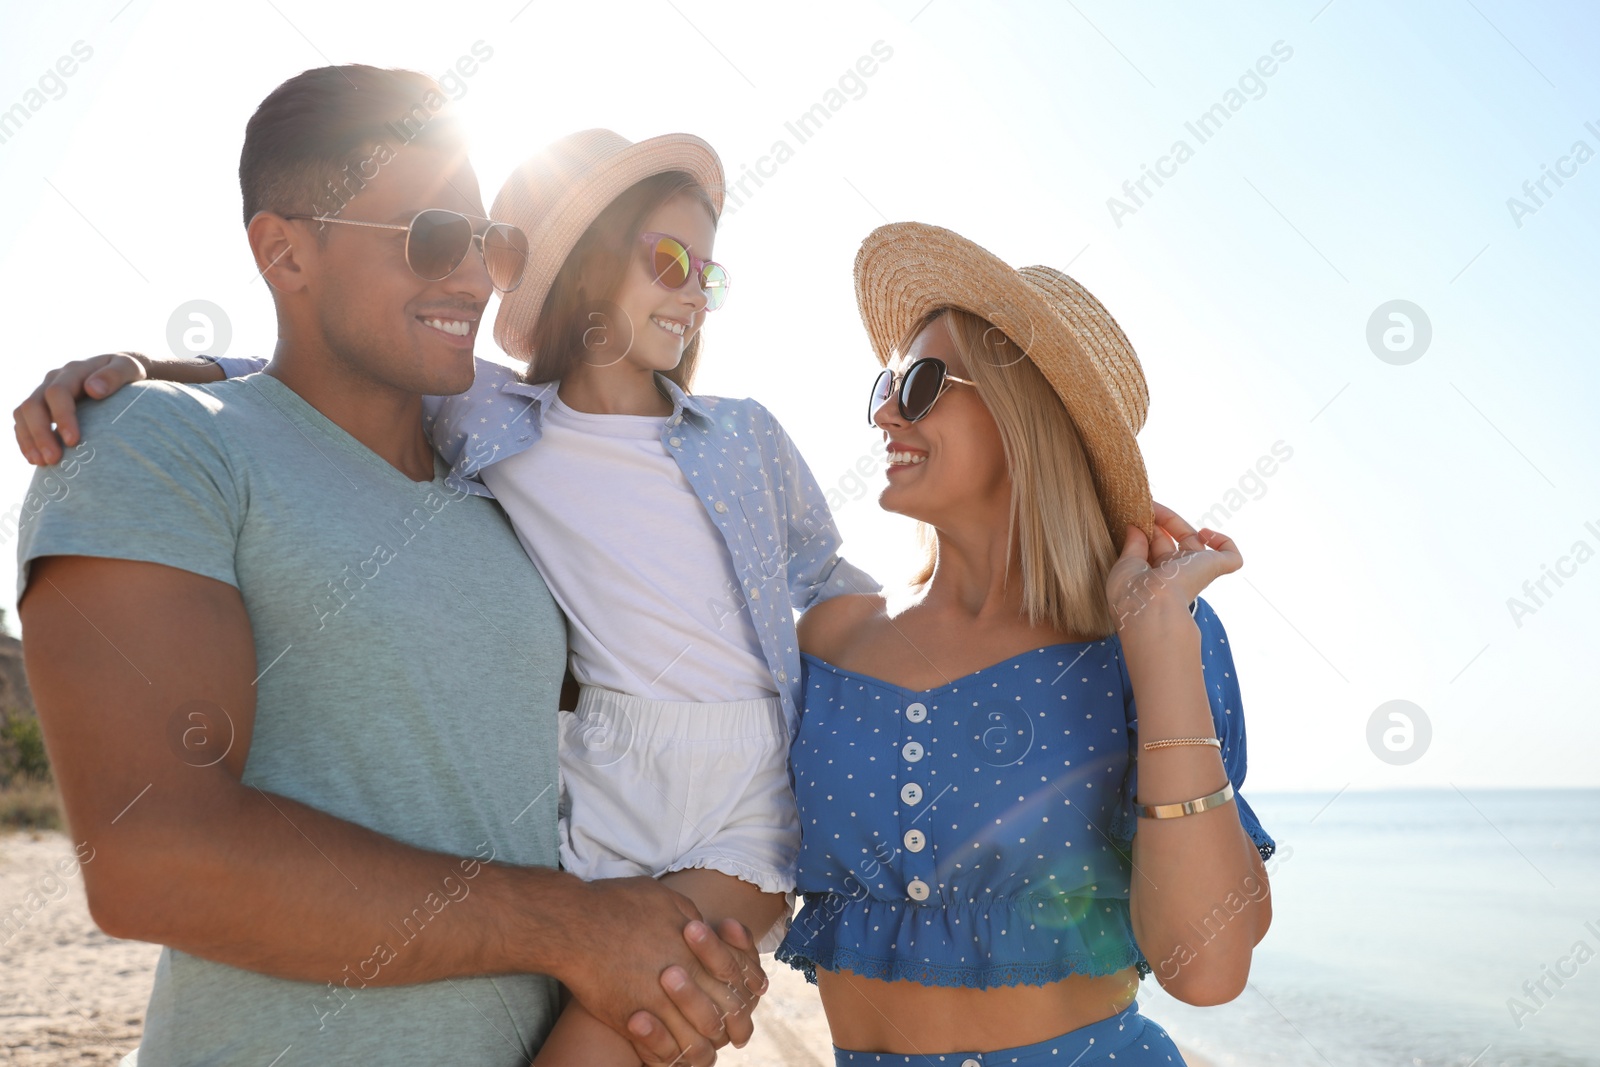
[1373, 164]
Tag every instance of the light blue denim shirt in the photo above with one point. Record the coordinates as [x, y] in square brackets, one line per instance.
[746, 471]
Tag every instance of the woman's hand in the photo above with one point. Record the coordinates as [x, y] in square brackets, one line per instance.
[55, 402]
[1152, 581]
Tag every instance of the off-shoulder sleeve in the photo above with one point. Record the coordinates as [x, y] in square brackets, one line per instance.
[1227, 715]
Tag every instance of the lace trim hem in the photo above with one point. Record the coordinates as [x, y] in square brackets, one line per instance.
[933, 974]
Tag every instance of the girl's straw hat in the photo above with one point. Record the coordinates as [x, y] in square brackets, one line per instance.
[556, 194]
[907, 270]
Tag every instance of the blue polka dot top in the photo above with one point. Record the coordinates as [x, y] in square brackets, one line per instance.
[977, 834]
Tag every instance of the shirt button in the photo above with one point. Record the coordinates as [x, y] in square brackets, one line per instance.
[969, 1062]
[912, 751]
[783, 676]
[722, 509]
[915, 841]
[916, 712]
[755, 594]
[917, 889]
[674, 441]
[911, 793]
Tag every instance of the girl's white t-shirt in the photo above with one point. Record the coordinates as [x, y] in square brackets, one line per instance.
[653, 604]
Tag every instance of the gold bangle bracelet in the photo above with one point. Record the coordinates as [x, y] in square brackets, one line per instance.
[1188, 807]
[1173, 742]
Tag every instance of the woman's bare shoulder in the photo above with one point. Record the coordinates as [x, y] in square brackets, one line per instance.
[835, 624]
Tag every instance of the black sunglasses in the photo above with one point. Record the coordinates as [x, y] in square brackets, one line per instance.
[438, 240]
[920, 388]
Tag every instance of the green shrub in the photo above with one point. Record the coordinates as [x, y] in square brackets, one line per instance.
[22, 748]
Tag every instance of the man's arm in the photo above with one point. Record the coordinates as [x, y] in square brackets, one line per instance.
[55, 402]
[189, 856]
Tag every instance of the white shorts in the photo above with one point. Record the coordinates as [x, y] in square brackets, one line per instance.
[653, 786]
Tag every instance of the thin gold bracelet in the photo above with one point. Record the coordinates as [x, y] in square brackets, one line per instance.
[1173, 742]
[1188, 807]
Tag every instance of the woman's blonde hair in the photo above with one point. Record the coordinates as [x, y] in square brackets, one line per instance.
[1056, 525]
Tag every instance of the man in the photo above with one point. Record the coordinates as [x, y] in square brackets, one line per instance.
[300, 696]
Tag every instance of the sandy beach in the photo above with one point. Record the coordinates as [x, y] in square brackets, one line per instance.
[70, 994]
[73, 995]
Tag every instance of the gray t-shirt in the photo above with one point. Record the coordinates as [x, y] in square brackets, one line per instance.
[410, 659]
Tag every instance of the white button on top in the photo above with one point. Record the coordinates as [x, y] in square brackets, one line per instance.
[722, 509]
[969, 1062]
[917, 889]
[783, 676]
[911, 793]
[915, 841]
[916, 712]
[912, 751]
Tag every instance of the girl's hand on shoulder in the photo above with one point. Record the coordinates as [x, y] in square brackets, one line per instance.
[47, 422]
[1150, 583]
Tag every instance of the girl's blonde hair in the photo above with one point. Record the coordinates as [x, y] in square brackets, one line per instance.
[1056, 528]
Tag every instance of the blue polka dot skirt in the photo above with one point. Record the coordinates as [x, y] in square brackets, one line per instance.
[1127, 1039]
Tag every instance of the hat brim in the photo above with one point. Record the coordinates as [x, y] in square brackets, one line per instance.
[552, 237]
[906, 271]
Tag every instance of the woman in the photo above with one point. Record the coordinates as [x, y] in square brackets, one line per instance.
[985, 876]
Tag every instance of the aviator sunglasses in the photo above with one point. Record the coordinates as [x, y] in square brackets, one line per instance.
[438, 240]
[673, 266]
[923, 384]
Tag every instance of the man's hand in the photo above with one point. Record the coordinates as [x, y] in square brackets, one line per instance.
[733, 964]
[55, 402]
[645, 963]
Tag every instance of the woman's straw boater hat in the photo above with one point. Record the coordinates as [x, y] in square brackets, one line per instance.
[907, 270]
[556, 194]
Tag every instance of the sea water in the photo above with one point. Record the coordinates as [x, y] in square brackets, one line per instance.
[1418, 928]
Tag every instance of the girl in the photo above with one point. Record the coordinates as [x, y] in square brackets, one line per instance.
[997, 843]
[679, 533]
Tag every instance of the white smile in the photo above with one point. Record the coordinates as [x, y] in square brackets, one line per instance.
[675, 328]
[898, 458]
[454, 327]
